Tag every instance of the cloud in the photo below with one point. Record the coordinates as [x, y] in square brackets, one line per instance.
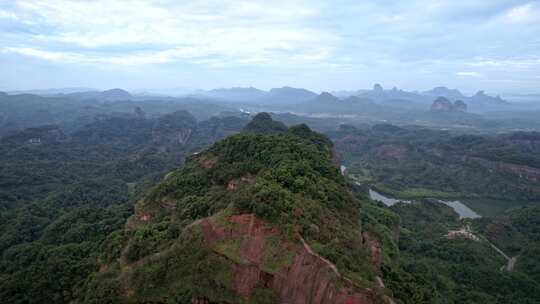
[526, 13]
[507, 63]
[7, 15]
[469, 74]
[466, 41]
[147, 32]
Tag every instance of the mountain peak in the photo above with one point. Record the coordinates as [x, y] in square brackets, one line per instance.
[377, 88]
[442, 104]
[327, 97]
[263, 123]
[444, 91]
[290, 95]
[248, 219]
[115, 95]
[480, 93]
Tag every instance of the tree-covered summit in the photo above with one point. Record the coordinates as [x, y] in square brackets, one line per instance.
[264, 124]
[266, 200]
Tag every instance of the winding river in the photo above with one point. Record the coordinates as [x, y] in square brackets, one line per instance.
[461, 209]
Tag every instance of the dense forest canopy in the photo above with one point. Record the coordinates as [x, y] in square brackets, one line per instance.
[73, 191]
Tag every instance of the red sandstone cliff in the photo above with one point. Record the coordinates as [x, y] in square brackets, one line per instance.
[306, 278]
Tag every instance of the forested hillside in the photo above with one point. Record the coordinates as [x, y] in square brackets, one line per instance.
[255, 218]
[62, 194]
[409, 162]
[135, 209]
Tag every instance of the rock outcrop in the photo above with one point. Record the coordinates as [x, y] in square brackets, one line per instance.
[173, 129]
[442, 104]
[483, 99]
[304, 276]
[526, 172]
[460, 106]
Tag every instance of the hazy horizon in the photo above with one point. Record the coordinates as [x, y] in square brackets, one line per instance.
[175, 91]
[317, 45]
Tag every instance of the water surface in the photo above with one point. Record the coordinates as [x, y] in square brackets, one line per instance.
[388, 201]
[461, 209]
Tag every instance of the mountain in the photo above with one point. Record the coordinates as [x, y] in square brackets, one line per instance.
[451, 94]
[179, 91]
[460, 106]
[289, 95]
[417, 100]
[442, 104]
[483, 99]
[115, 95]
[379, 94]
[237, 94]
[254, 219]
[107, 95]
[326, 98]
[54, 91]
[276, 96]
[358, 100]
[263, 123]
[328, 104]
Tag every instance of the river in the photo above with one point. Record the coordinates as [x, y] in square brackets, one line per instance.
[461, 209]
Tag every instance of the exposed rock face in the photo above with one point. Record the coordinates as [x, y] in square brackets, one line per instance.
[529, 173]
[375, 247]
[139, 113]
[527, 140]
[441, 104]
[306, 277]
[174, 128]
[377, 88]
[460, 106]
[393, 151]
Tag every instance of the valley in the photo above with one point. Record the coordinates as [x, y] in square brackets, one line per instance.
[269, 152]
[173, 201]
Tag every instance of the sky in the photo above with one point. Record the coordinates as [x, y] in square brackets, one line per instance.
[491, 45]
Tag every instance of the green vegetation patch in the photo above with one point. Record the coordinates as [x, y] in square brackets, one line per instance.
[277, 254]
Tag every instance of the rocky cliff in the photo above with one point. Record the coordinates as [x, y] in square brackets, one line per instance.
[441, 104]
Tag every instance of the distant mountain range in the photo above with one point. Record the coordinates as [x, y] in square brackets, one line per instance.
[284, 95]
[394, 96]
[53, 91]
[295, 97]
[108, 95]
[379, 94]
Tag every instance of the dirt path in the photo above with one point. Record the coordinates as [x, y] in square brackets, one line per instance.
[510, 261]
[467, 232]
[511, 264]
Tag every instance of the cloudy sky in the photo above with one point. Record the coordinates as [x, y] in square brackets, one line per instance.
[321, 45]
